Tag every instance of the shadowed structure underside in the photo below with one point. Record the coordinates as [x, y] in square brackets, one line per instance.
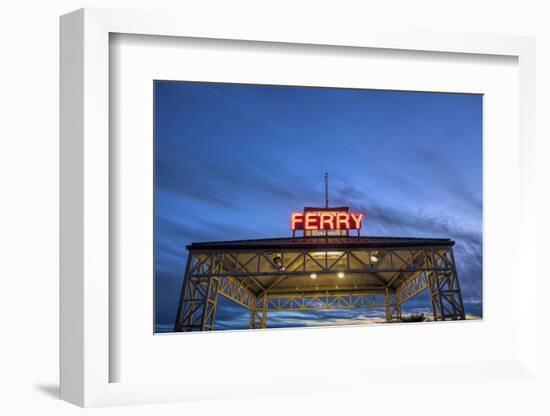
[317, 273]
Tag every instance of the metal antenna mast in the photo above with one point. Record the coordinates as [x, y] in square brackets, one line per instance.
[326, 189]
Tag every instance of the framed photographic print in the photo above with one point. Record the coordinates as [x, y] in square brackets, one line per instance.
[377, 243]
[321, 211]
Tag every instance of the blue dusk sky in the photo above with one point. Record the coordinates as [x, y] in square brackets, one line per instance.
[233, 161]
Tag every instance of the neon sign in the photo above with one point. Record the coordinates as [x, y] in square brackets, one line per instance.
[326, 220]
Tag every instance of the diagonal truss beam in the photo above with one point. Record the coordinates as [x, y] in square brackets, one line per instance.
[235, 290]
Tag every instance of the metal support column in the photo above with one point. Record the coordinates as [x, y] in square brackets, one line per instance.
[433, 285]
[393, 308]
[198, 304]
[258, 314]
[456, 288]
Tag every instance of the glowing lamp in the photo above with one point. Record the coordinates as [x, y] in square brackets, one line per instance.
[279, 263]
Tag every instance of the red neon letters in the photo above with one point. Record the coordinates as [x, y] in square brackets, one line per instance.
[326, 220]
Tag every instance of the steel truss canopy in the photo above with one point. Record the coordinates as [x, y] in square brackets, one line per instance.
[318, 273]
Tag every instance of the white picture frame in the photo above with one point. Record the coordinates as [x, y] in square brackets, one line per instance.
[86, 262]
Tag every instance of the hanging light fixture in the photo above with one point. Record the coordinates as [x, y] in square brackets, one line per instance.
[279, 263]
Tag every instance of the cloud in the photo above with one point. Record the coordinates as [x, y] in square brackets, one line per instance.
[397, 220]
[223, 183]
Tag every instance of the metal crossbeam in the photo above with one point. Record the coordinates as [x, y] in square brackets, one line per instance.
[325, 271]
[254, 264]
[324, 301]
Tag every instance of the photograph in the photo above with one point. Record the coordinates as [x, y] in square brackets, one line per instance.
[285, 206]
